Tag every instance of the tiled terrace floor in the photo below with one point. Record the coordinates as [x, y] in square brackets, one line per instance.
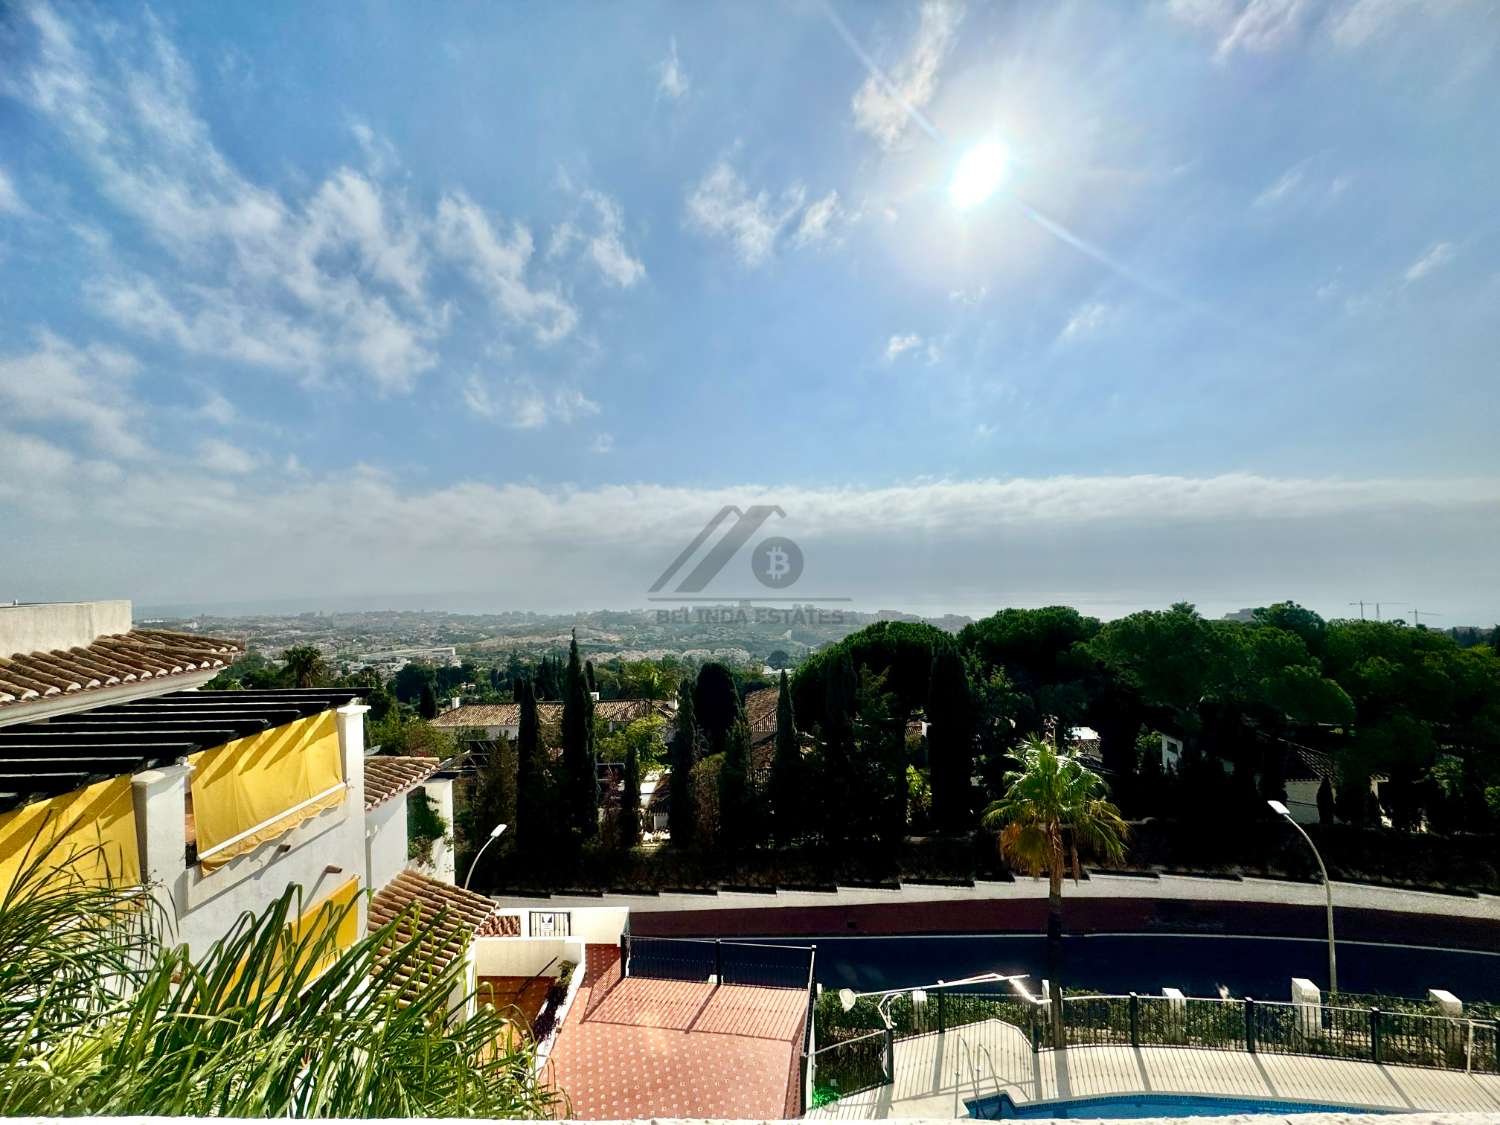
[637, 1048]
[937, 1074]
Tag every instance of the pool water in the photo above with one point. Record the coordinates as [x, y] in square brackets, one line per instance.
[1145, 1105]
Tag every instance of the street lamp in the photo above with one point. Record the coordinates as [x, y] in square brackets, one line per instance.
[494, 835]
[1333, 971]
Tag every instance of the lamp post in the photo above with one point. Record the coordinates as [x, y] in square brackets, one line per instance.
[1333, 971]
[494, 835]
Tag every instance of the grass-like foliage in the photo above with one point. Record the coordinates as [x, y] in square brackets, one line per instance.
[101, 1015]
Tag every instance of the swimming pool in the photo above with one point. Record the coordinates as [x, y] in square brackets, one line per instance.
[1146, 1105]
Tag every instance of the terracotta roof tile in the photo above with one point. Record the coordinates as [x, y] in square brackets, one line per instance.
[509, 714]
[500, 925]
[388, 776]
[445, 917]
[110, 661]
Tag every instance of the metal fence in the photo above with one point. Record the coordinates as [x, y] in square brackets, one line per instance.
[1280, 1028]
[762, 964]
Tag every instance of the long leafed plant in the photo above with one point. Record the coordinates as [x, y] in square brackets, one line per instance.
[99, 1015]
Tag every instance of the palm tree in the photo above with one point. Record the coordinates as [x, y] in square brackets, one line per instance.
[1053, 808]
[305, 666]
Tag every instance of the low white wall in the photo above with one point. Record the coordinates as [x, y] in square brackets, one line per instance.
[601, 925]
[524, 957]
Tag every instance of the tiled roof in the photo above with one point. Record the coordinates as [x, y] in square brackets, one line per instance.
[390, 776]
[446, 917]
[509, 714]
[110, 661]
[760, 713]
[1305, 764]
[500, 925]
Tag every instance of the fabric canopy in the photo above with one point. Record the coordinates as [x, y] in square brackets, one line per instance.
[90, 831]
[253, 790]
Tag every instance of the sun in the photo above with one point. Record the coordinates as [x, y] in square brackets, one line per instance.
[978, 174]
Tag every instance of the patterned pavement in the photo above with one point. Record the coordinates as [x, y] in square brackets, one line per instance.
[638, 1048]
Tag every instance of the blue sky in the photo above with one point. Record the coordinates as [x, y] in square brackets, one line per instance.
[504, 301]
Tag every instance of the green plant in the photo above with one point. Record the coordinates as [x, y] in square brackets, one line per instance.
[98, 1016]
[424, 827]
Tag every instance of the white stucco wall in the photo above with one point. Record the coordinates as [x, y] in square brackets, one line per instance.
[1302, 801]
[385, 842]
[46, 626]
[524, 957]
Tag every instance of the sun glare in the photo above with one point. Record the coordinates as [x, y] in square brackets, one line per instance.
[978, 174]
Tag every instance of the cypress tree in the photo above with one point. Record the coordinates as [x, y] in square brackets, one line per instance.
[581, 784]
[786, 771]
[686, 745]
[429, 705]
[629, 823]
[950, 740]
[1495, 640]
[533, 812]
[736, 811]
[1325, 802]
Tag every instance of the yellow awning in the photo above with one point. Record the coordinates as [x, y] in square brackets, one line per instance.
[91, 831]
[255, 789]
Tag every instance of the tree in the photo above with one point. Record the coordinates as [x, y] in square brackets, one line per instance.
[684, 750]
[1053, 809]
[736, 800]
[428, 708]
[535, 818]
[494, 796]
[779, 659]
[1325, 802]
[786, 771]
[838, 777]
[950, 740]
[629, 822]
[581, 782]
[409, 681]
[305, 667]
[716, 702]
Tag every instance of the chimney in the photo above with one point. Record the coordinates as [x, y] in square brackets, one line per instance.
[594, 695]
[454, 703]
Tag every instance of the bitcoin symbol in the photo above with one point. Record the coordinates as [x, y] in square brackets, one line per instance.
[777, 562]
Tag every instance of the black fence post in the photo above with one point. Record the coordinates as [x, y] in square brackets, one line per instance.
[624, 955]
[1135, 1020]
[942, 1012]
[802, 1087]
[1374, 1034]
[1250, 1024]
[1035, 1033]
[718, 961]
[890, 1056]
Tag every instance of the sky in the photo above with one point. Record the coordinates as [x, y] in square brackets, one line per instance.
[495, 306]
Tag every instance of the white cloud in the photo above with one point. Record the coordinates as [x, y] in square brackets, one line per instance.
[83, 388]
[1087, 320]
[1125, 540]
[1252, 26]
[10, 199]
[603, 443]
[884, 102]
[522, 404]
[722, 204]
[216, 408]
[497, 263]
[1360, 21]
[1287, 183]
[218, 456]
[897, 346]
[1438, 255]
[671, 80]
[608, 249]
[819, 220]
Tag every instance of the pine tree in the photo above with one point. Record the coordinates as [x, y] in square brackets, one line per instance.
[786, 771]
[629, 822]
[429, 704]
[950, 740]
[736, 800]
[580, 771]
[1325, 802]
[686, 745]
[534, 818]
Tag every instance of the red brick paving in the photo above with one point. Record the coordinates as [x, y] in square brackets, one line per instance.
[637, 1048]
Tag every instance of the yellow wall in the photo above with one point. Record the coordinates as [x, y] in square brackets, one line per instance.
[327, 913]
[253, 781]
[90, 830]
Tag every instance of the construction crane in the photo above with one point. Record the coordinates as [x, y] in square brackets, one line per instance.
[1377, 606]
[1418, 614]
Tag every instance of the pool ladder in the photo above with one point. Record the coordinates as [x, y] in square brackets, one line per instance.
[970, 1054]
